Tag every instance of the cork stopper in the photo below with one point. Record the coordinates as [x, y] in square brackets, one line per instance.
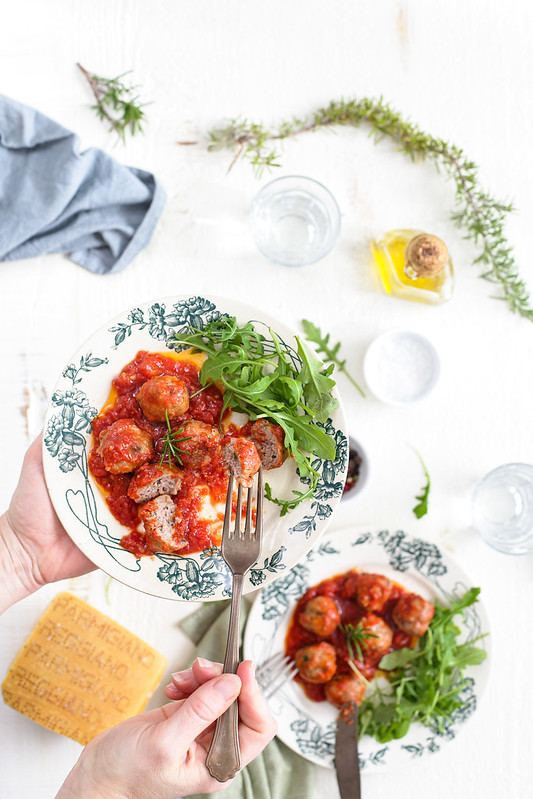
[425, 256]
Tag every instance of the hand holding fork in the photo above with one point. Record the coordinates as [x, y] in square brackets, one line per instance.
[240, 550]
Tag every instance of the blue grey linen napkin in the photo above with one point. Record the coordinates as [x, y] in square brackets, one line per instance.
[55, 199]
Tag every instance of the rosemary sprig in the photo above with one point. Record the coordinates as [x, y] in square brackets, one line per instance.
[170, 442]
[479, 215]
[422, 508]
[355, 638]
[314, 334]
[117, 103]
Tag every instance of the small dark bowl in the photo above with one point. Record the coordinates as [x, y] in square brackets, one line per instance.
[364, 470]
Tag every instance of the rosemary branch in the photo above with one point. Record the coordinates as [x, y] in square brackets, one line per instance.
[170, 440]
[117, 103]
[479, 215]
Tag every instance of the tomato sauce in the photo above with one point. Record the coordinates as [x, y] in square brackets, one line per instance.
[207, 483]
[350, 613]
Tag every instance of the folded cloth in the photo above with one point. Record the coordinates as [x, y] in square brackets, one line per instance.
[278, 772]
[55, 199]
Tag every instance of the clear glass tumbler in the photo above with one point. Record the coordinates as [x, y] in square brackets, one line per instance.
[294, 220]
[502, 507]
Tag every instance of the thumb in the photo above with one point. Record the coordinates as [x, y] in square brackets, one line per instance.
[203, 707]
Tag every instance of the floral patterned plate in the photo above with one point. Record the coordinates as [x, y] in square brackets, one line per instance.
[83, 389]
[309, 727]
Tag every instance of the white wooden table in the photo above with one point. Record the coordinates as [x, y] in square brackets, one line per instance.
[462, 71]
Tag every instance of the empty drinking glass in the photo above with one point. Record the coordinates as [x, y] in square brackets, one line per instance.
[294, 220]
[503, 508]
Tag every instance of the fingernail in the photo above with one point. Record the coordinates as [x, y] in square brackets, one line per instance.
[181, 677]
[203, 663]
[171, 689]
[228, 685]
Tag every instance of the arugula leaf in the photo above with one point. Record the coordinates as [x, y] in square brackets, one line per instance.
[262, 378]
[287, 505]
[314, 334]
[422, 508]
[398, 658]
[424, 684]
[317, 385]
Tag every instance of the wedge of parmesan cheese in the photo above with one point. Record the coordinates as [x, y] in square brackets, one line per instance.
[80, 672]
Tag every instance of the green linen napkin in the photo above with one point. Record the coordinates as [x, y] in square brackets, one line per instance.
[277, 772]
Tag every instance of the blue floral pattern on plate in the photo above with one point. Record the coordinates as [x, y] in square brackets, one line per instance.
[419, 565]
[83, 389]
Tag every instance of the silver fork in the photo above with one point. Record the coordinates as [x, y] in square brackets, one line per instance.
[240, 550]
[275, 672]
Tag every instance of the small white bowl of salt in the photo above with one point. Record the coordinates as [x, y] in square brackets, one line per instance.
[401, 367]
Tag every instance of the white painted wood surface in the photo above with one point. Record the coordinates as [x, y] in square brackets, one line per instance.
[462, 71]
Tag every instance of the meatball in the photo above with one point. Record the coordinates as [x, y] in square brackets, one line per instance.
[159, 517]
[268, 439]
[345, 688]
[198, 443]
[124, 446]
[379, 634]
[242, 460]
[412, 614]
[370, 591]
[320, 616]
[162, 396]
[316, 663]
[152, 479]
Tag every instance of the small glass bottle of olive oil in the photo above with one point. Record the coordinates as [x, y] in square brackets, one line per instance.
[414, 265]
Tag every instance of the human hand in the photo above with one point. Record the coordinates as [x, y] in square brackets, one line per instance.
[34, 547]
[162, 753]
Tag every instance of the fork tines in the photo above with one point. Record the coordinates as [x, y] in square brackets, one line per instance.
[248, 531]
[274, 672]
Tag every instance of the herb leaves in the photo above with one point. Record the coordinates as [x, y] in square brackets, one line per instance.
[329, 351]
[355, 640]
[170, 442]
[117, 103]
[425, 683]
[422, 508]
[266, 380]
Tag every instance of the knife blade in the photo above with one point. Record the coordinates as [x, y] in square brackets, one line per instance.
[346, 753]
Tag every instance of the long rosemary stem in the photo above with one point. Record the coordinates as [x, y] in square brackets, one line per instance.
[478, 214]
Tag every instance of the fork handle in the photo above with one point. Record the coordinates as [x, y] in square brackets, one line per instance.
[224, 756]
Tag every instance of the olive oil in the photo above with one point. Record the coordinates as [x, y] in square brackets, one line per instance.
[414, 265]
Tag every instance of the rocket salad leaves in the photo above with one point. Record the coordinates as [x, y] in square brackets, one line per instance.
[264, 379]
[425, 683]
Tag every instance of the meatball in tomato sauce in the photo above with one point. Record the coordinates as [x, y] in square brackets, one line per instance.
[268, 439]
[198, 443]
[153, 479]
[370, 591]
[378, 634]
[124, 446]
[345, 688]
[320, 616]
[412, 614]
[163, 396]
[159, 521]
[316, 663]
[242, 460]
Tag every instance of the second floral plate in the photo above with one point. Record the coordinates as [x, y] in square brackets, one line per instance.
[420, 566]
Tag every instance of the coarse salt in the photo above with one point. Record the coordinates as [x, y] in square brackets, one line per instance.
[401, 367]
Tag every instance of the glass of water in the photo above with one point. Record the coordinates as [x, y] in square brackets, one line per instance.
[294, 220]
[503, 508]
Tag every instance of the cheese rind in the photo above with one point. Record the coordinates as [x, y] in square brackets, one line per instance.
[80, 672]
